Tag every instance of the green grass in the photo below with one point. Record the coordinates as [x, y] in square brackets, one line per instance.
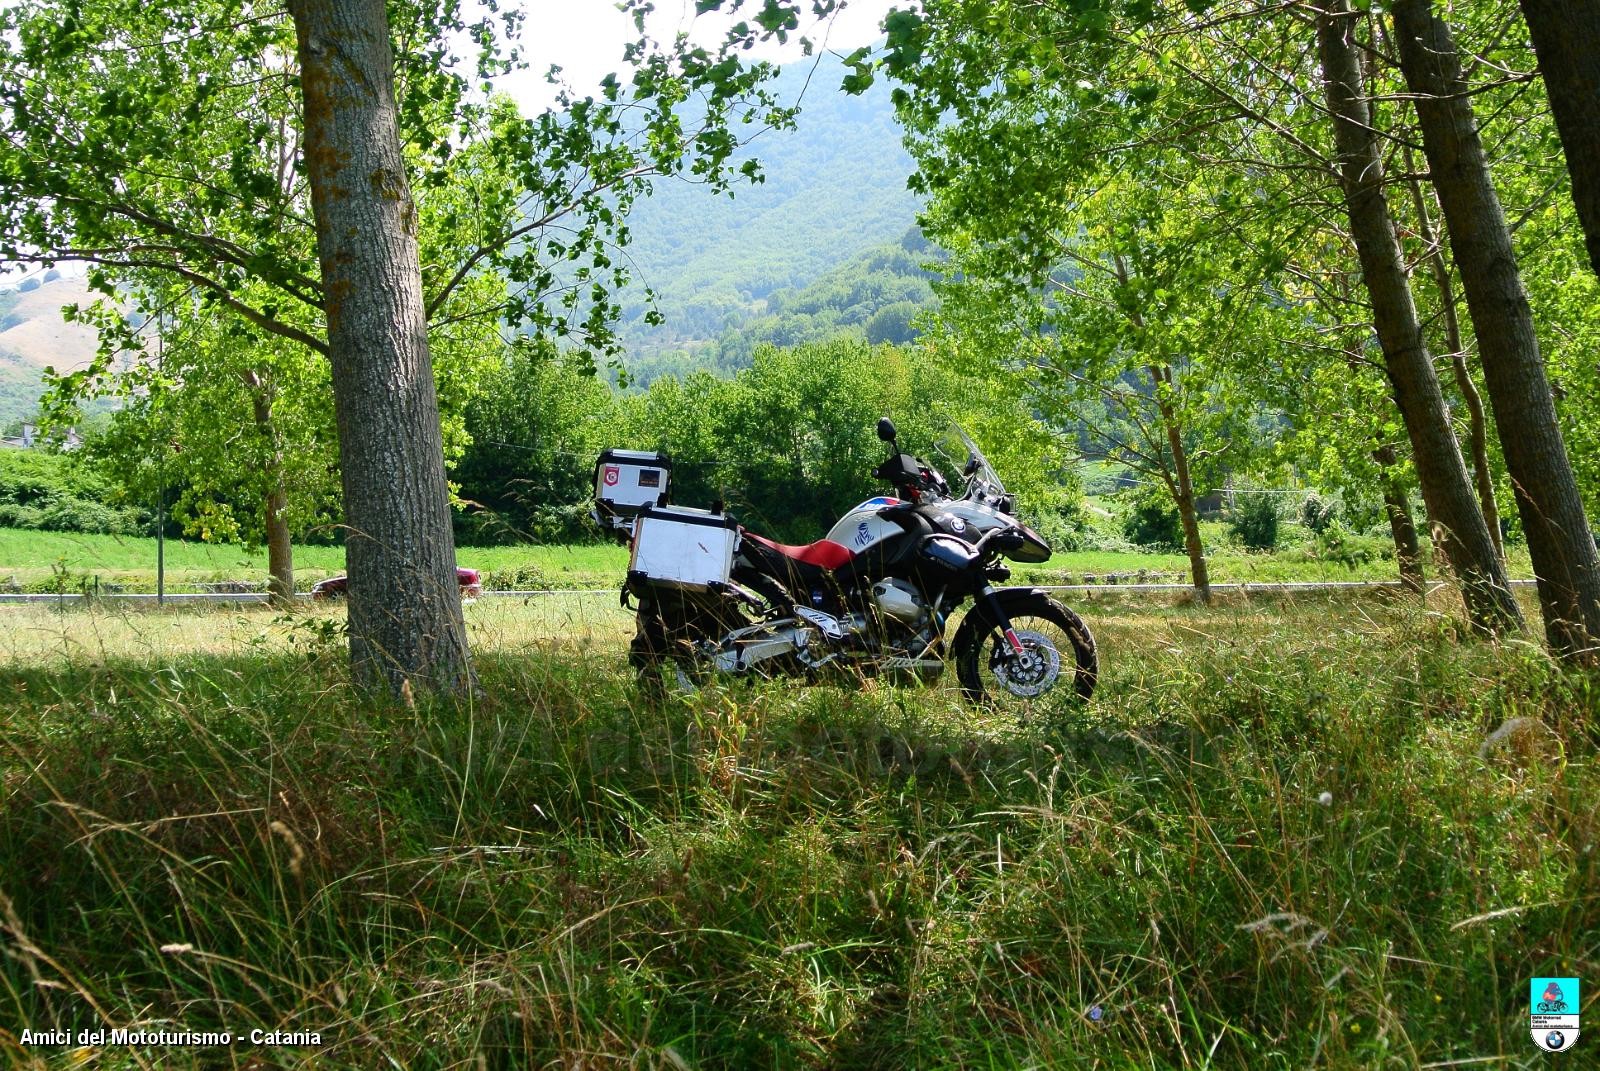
[34, 560]
[47, 561]
[202, 827]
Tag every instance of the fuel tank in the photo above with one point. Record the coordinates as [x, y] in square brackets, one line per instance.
[862, 529]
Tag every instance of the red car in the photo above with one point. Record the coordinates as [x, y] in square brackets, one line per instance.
[335, 587]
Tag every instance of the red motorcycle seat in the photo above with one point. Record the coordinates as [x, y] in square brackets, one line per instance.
[824, 553]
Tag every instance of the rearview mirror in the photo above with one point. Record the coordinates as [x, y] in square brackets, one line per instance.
[886, 429]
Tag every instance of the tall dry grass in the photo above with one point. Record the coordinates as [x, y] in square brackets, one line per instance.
[1275, 839]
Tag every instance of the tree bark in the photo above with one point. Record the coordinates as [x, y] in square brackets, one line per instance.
[1566, 37]
[1183, 491]
[1565, 562]
[404, 605]
[275, 503]
[1440, 469]
[1402, 527]
[1477, 420]
[280, 550]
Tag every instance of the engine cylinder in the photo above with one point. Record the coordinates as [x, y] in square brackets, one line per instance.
[899, 600]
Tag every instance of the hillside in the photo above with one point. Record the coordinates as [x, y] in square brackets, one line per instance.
[874, 296]
[34, 337]
[835, 187]
[729, 271]
[32, 330]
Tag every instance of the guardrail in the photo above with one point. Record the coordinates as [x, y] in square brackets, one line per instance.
[191, 597]
[244, 598]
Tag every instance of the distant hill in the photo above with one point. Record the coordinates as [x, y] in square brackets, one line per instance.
[835, 188]
[33, 337]
[729, 272]
[874, 295]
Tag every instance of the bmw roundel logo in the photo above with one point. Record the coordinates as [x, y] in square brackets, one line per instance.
[957, 525]
[1555, 1040]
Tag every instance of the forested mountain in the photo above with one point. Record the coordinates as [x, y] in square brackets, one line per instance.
[835, 187]
[873, 296]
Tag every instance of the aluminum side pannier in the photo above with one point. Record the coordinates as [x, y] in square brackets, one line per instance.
[683, 548]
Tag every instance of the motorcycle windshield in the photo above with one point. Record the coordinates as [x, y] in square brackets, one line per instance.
[981, 476]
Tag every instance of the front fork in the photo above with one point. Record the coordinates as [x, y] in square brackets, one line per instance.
[989, 598]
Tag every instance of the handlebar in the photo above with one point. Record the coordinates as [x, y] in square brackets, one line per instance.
[1006, 537]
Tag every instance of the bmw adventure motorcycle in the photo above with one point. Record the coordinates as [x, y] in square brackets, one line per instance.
[874, 597]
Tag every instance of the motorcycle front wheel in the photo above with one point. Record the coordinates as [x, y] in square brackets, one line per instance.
[1058, 653]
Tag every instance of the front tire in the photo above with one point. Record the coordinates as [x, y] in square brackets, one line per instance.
[1058, 649]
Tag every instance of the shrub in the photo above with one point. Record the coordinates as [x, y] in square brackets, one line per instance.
[81, 515]
[28, 476]
[1153, 522]
[15, 516]
[1253, 521]
[71, 515]
[1065, 531]
[524, 577]
[1337, 544]
[1319, 512]
[57, 492]
[563, 523]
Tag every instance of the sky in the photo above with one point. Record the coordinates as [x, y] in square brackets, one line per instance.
[586, 37]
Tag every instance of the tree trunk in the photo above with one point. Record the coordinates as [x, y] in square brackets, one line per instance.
[1440, 469]
[275, 503]
[280, 551]
[1565, 561]
[1402, 528]
[1184, 497]
[1183, 491]
[405, 607]
[1566, 36]
[1477, 421]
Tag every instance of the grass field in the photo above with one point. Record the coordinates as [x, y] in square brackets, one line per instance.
[45, 561]
[1275, 839]
[33, 559]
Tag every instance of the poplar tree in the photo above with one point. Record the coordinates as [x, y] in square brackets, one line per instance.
[1566, 562]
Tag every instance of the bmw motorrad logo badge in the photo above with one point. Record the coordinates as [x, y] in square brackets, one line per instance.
[1553, 1006]
[957, 525]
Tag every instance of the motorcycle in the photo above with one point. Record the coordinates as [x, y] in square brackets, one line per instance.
[874, 597]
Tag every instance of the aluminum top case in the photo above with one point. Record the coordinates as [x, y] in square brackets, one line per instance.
[625, 482]
[682, 548]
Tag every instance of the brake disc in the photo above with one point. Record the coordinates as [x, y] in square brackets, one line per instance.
[1031, 673]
